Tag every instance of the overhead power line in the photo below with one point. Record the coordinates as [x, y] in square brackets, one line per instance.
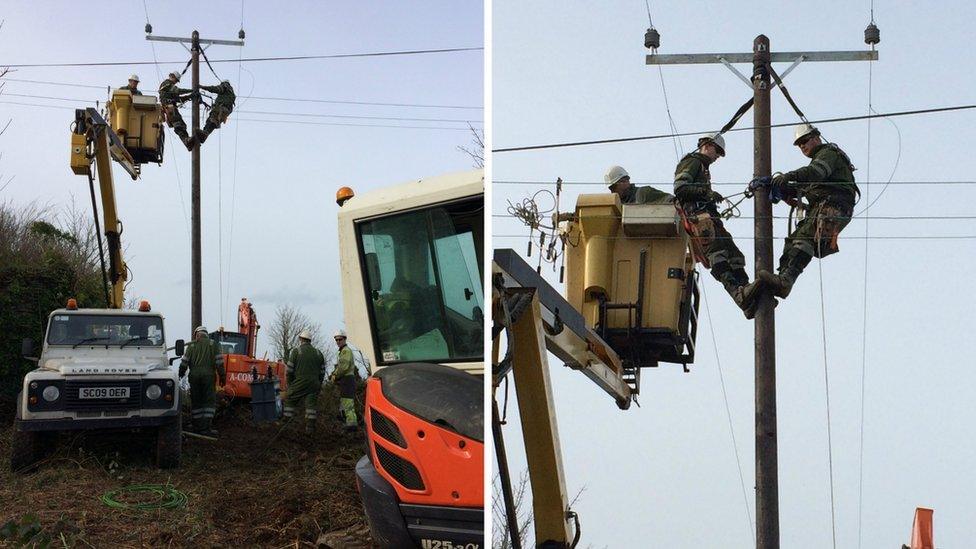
[736, 183]
[684, 134]
[348, 124]
[906, 237]
[266, 98]
[251, 59]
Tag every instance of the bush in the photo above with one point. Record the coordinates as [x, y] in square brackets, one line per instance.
[46, 256]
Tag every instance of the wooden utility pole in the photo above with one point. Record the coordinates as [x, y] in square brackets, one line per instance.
[196, 248]
[767, 487]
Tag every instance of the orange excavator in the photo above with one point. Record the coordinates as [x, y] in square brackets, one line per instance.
[239, 349]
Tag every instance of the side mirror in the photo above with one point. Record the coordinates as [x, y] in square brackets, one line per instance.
[180, 347]
[27, 349]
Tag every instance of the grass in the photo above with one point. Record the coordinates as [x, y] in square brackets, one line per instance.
[258, 485]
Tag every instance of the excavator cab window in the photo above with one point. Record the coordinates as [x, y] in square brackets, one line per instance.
[232, 343]
[422, 272]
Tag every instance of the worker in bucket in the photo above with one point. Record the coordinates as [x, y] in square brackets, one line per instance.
[223, 105]
[697, 203]
[204, 362]
[133, 85]
[305, 371]
[618, 181]
[344, 377]
[827, 184]
[171, 96]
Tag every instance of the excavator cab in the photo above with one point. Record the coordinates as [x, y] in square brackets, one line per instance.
[138, 121]
[630, 273]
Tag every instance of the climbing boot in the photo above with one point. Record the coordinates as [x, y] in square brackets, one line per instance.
[779, 284]
[745, 297]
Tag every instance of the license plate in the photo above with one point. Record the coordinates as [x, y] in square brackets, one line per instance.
[104, 392]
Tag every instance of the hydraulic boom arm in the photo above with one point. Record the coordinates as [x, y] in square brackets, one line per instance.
[94, 140]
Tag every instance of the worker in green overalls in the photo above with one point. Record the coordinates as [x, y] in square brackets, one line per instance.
[344, 376]
[305, 373]
[205, 362]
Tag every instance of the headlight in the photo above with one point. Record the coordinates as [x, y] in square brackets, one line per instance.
[51, 393]
[153, 392]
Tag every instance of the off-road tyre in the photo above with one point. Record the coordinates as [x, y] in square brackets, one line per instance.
[169, 444]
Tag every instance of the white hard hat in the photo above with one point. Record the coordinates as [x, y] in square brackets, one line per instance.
[339, 333]
[713, 138]
[614, 175]
[803, 130]
[134, 77]
[305, 335]
[200, 329]
[175, 75]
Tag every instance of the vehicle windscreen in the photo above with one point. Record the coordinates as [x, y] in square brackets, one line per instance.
[231, 343]
[424, 283]
[81, 329]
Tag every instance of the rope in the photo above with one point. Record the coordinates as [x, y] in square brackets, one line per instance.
[167, 497]
[728, 413]
[203, 52]
[220, 227]
[864, 328]
[830, 453]
[233, 192]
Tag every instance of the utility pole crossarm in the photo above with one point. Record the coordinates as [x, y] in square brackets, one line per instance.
[747, 58]
[190, 40]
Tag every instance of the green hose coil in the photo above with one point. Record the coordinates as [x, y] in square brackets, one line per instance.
[167, 497]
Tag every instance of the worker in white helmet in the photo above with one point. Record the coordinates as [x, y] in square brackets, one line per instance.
[133, 85]
[827, 184]
[205, 363]
[305, 371]
[171, 97]
[344, 376]
[697, 203]
[618, 181]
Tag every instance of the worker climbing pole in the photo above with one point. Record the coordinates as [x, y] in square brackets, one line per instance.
[193, 143]
[767, 497]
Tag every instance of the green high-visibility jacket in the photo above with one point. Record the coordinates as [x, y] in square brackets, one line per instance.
[829, 174]
[203, 358]
[225, 95]
[692, 180]
[169, 92]
[645, 195]
[345, 365]
[306, 363]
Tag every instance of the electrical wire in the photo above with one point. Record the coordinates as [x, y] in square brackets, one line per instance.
[233, 192]
[730, 183]
[781, 125]
[254, 59]
[343, 124]
[728, 413]
[830, 445]
[891, 237]
[745, 217]
[278, 113]
[267, 98]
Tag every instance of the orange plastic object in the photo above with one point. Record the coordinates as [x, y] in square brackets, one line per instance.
[451, 466]
[144, 306]
[343, 194]
[923, 535]
[239, 377]
[72, 304]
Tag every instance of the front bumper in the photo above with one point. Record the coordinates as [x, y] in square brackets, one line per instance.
[393, 524]
[68, 424]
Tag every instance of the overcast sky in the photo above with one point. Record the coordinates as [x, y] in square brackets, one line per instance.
[665, 473]
[268, 187]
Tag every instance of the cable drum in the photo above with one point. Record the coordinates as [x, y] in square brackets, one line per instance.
[150, 497]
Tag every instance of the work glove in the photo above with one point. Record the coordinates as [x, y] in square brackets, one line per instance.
[779, 180]
[182, 369]
[759, 183]
[715, 197]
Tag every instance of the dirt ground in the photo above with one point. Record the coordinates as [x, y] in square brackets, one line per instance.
[258, 485]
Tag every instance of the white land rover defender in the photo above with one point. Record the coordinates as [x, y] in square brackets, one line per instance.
[99, 369]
